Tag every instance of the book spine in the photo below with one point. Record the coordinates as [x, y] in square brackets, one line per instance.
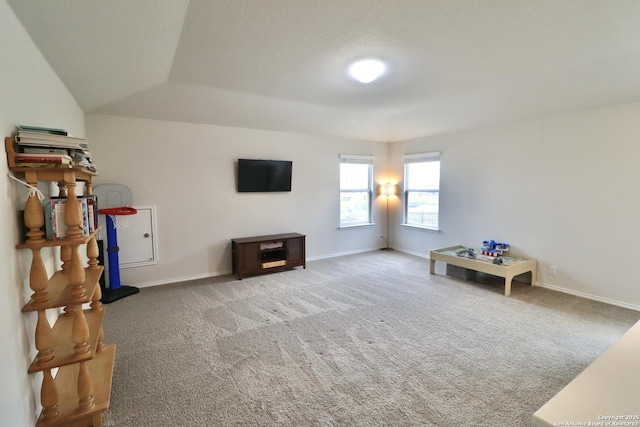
[39, 129]
[41, 165]
[92, 201]
[85, 216]
[59, 227]
[48, 221]
[92, 225]
[22, 141]
[45, 150]
[49, 137]
[42, 159]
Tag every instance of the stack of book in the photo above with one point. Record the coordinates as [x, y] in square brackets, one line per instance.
[82, 158]
[54, 207]
[36, 157]
[50, 147]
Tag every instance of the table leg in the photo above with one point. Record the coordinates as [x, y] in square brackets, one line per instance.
[534, 276]
[432, 266]
[507, 285]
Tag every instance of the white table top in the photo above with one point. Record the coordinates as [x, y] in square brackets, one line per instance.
[607, 391]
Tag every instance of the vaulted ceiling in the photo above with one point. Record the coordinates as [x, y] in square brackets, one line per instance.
[282, 64]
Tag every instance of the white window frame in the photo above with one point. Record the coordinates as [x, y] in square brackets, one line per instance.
[358, 159]
[408, 188]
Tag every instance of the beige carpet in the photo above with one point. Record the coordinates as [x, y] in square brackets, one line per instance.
[362, 340]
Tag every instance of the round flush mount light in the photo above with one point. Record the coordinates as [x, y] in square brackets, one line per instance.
[367, 70]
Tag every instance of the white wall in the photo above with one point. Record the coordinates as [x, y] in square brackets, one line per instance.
[31, 94]
[559, 188]
[188, 172]
[562, 189]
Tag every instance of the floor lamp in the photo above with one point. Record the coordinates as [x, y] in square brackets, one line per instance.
[387, 190]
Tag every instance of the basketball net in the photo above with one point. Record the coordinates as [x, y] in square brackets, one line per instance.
[120, 222]
[119, 216]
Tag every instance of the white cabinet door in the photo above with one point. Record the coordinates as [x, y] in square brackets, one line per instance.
[136, 241]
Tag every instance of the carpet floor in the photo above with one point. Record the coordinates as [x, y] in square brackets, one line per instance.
[361, 340]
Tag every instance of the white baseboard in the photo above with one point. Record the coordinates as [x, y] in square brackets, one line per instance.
[341, 254]
[182, 279]
[426, 256]
[588, 296]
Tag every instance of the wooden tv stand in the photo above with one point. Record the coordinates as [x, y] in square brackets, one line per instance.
[266, 254]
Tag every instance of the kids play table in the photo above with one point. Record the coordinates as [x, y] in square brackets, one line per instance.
[510, 267]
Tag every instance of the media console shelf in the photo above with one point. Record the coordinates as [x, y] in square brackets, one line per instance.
[266, 254]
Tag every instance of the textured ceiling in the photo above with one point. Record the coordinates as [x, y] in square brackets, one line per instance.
[281, 64]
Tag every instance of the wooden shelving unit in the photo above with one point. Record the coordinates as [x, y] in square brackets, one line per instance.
[81, 389]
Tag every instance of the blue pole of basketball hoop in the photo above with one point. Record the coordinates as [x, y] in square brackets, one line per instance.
[115, 291]
[112, 252]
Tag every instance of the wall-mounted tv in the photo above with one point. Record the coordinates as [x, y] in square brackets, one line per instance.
[264, 175]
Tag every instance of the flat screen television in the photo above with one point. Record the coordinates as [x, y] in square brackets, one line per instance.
[255, 176]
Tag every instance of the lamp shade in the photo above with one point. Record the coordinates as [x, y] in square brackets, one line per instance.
[388, 189]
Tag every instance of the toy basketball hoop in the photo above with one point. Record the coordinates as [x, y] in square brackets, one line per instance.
[116, 201]
[121, 211]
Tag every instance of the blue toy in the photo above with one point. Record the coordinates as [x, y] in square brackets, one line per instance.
[493, 248]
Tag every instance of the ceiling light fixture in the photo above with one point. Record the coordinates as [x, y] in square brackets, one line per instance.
[367, 70]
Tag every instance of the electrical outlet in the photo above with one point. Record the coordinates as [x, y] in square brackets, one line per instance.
[553, 270]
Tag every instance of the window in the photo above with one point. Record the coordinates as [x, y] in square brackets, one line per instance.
[356, 180]
[422, 190]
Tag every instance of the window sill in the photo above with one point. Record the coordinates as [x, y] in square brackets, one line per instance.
[420, 227]
[368, 224]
